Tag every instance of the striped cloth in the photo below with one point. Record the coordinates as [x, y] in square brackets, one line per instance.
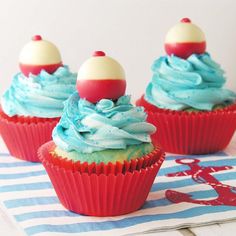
[27, 196]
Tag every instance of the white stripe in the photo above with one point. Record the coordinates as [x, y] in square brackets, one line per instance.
[20, 169]
[27, 194]
[27, 180]
[27, 209]
[36, 208]
[8, 158]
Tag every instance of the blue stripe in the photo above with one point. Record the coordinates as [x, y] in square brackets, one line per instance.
[23, 187]
[230, 161]
[2, 154]
[23, 175]
[171, 157]
[186, 182]
[18, 164]
[126, 222]
[14, 203]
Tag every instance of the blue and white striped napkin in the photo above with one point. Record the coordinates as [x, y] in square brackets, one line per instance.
[27, 196]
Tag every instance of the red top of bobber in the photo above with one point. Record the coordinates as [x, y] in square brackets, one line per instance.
[36, 38]
[185, 20]
[99, 54]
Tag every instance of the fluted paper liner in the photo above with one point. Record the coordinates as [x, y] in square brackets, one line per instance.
[101, 194]
[101, 168]
[191, 132]
[24, 135]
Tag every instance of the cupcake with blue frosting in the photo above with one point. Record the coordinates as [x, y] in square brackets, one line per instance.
[102, 142]
[186, 98]
[33, 104]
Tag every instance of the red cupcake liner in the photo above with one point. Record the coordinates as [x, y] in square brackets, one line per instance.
[184, 132]
[101, 194]
[24, 135]
[101, 168]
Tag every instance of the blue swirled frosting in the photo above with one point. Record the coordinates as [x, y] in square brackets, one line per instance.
[40, 96]
[85, 127]
[196, 83]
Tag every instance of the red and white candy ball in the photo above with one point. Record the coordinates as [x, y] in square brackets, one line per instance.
[39, 55]
[185, 39]
[101, 77]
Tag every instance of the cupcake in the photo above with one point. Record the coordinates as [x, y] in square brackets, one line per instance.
[186, 100]
[101, 161]
[33, 104]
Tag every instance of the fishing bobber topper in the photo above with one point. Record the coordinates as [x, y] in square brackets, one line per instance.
[101, 77]
[39, 55]
[185, 39]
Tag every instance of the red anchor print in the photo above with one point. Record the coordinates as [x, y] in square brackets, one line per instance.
[202, 175]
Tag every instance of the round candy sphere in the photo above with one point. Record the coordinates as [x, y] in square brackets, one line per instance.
[39, 55]
[185, 39]
[101, 77]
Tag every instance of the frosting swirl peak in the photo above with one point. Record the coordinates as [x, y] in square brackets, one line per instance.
[40, 96]
[195, 82]
[86, 127]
